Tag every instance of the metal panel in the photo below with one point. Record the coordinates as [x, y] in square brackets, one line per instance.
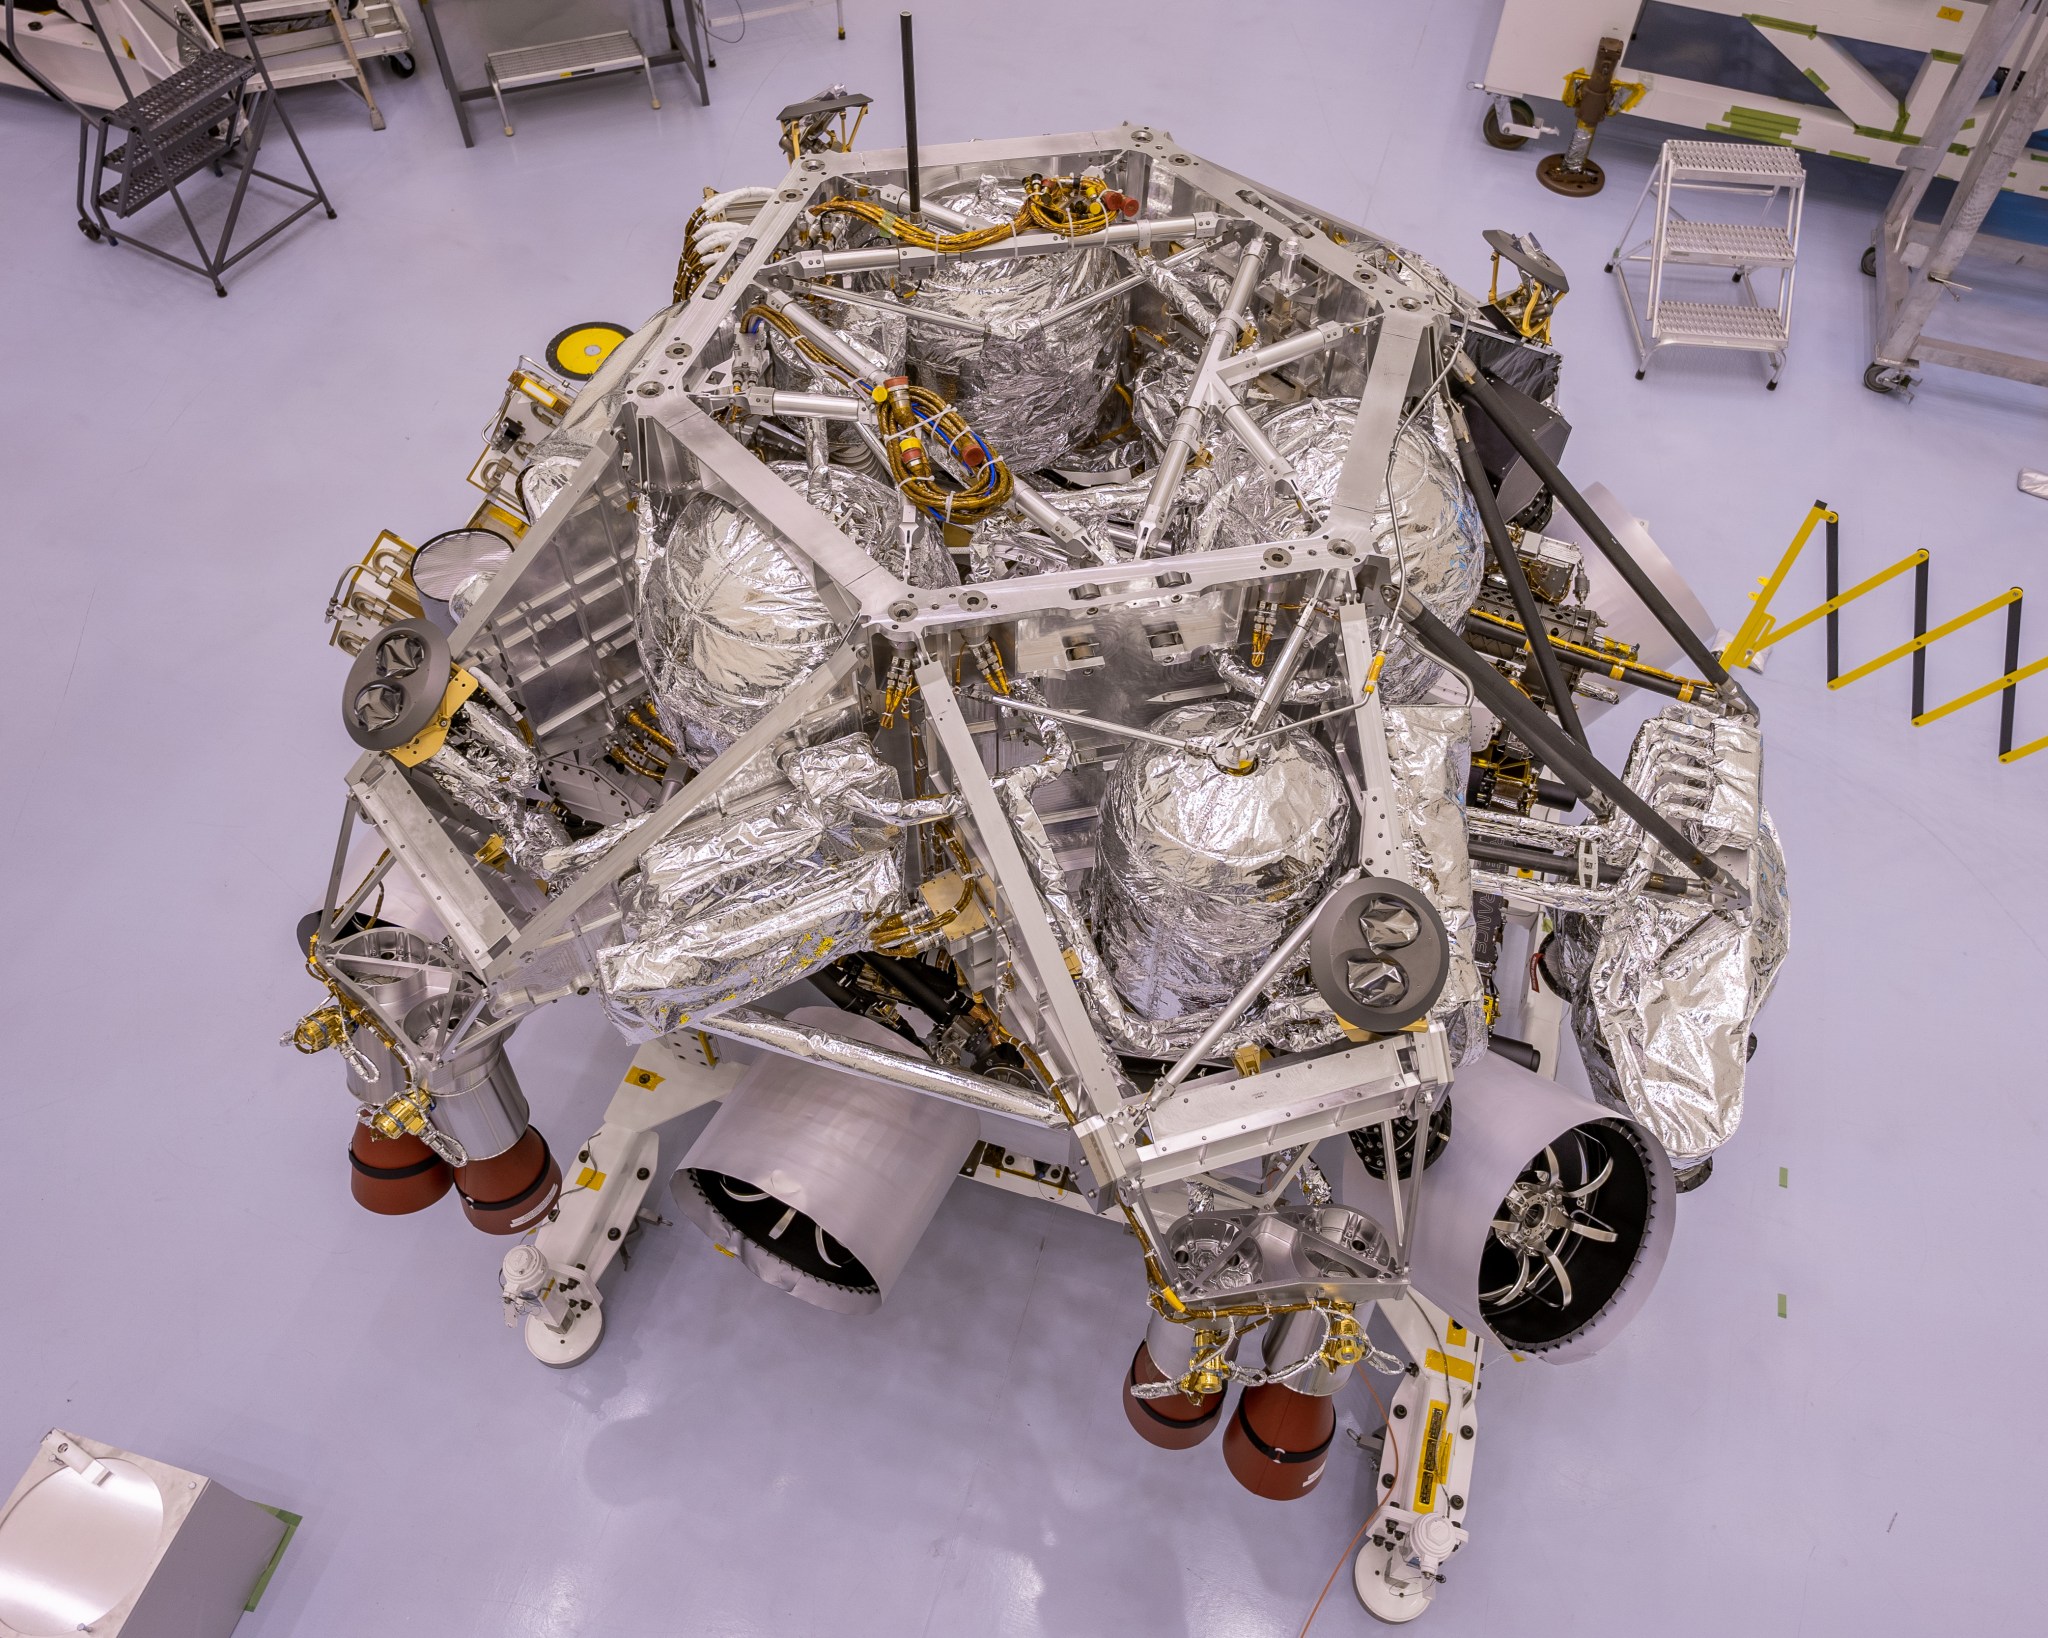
[445, 874]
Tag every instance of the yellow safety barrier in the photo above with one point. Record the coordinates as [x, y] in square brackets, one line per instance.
[1761, 629]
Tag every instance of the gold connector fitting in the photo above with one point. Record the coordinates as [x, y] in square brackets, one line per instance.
[989, 658]
[404, 1116]
[1203, 1377]
[318, 1031]
[1345, 1344]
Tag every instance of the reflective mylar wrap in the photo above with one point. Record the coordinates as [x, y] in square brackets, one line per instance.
[1442, 549]
[1030, 394]
[1201, 872]
[1665, 990]
[490, 770]
[1430, 748]
[732, 905]
[730, 619]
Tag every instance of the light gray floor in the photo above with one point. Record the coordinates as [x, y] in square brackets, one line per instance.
[184, 477]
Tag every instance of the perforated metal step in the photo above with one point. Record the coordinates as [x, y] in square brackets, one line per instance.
[1719, 324]
[1732, 162]
[565, 60]
[1726, 244]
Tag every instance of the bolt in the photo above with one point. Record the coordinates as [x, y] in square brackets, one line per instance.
[583, 1155]
[611, 1234]
[1464, 1433]
[1400, 1410]
[642, 1174]
[1458, 1503]
[1386, 1481]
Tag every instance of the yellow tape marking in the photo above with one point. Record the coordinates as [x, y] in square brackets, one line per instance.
[590, 1178]
[645, 1078]
[1461, 1369]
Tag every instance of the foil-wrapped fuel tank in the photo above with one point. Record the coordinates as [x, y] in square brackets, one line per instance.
[1202, 870]
[731, 619]
[1031, 391]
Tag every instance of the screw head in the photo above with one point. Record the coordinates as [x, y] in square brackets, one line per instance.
[1465, 1432]
[649, 389]
[1400, 1410]
[611, 1234]
[678, 349]
[642, 1174]
[1458, 1502]
[1386, 1481]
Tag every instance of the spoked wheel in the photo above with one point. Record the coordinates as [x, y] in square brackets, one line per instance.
[780, 1229]
[1490, 128]
[1566, 1236]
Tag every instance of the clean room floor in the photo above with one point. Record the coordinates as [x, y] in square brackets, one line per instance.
[181, 480]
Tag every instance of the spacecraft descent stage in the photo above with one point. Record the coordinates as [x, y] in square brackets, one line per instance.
[1024, 672]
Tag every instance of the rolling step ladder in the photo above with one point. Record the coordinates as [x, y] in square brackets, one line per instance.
[1769, 185]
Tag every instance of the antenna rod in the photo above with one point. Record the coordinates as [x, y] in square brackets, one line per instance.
[910, 112]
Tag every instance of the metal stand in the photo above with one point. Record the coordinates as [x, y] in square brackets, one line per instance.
[1771, 178]
[690, 55]
[1914, 261]
[196, 119]
[329, 44]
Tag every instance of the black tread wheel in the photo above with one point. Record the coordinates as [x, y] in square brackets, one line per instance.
[88, 230]
[1888, 379]
[1489, 127]
[402, 64]
[1869, 263]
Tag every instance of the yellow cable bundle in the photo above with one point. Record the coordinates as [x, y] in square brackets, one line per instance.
[905, 413]
[1051, 204]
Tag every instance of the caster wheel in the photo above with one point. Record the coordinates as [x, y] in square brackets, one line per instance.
[1888, 379]
[1869, 263]
[1582, 183]
[402, 64]
[1770, 386]
[1489, 127]
[89, 230]
[1639, 375]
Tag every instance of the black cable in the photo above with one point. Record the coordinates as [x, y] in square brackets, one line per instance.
[720, 38]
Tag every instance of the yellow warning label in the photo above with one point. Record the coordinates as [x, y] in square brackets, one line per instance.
[1448, 1365]
[1949, 14]
[590, 1178]
[1454, 1334]
[645, 1078]
[1436, 1457]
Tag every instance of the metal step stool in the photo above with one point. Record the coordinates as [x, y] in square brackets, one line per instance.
[526, 66]
[1770, 181]
[210, 114]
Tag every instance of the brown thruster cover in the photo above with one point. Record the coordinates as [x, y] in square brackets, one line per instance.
[1175, 1422]
[512, 1192]
[1279, 1441]
[394, 1176]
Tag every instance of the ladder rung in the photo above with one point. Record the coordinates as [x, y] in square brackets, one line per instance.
[1726, 244]
[1719, 324]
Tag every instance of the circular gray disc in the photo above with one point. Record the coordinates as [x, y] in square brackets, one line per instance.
[1379, 954]
[396, 685]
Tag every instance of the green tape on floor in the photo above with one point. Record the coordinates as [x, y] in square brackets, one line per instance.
[1784, 1177]
[1781, 1305]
